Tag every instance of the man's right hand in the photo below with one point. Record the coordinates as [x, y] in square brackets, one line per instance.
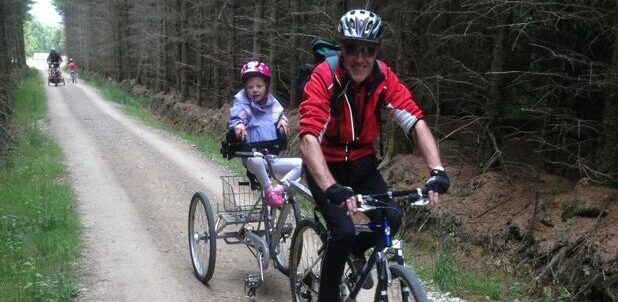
[342, 196]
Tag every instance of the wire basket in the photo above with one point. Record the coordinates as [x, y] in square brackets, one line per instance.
[238, 196]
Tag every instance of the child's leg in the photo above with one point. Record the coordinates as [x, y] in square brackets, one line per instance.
[291, 167]
[257, 166]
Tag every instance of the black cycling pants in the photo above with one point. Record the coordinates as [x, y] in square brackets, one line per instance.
[363, 177]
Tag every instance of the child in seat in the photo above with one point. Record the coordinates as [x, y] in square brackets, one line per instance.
[256, 116]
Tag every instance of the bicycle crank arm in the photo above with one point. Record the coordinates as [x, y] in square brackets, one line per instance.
[258, 243]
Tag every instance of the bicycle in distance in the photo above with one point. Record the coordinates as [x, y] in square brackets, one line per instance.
[396, 281]
[242, 217]
[54, 75]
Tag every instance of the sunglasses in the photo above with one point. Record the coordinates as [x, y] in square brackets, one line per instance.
[365, 50]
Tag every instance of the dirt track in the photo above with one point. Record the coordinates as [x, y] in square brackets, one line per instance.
[133, 184]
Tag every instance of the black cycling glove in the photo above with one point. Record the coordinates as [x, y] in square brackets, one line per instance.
[438, 182]
[338, 194]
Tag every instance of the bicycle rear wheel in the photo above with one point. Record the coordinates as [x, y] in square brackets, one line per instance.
[308, 246]
[404, 286]
[202, 237]
[282, 249]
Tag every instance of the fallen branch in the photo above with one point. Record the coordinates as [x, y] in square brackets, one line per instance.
[549, 268]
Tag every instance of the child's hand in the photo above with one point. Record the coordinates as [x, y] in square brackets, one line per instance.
[240, 131]
[283, 123]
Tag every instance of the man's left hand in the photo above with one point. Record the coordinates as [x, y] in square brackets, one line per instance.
[438, 182]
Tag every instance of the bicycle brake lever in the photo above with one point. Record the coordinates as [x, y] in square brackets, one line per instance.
[362, 204]
[421, 203]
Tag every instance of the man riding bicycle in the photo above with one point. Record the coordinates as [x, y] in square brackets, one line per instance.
[54, 59]
[338, 127]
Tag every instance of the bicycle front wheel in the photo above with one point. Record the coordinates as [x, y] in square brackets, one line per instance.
[282, 248]
[308, 247]
[404, 286]
[202, 237]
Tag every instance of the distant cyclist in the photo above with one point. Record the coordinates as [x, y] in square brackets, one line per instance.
[337, 137]
[72, 68]
[54, 59]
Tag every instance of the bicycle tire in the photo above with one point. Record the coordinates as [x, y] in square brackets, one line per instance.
[282, 250]
[405, 286]
[202, 237]
[308, 242]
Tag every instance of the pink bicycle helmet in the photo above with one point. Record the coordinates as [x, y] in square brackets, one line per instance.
[255, 68]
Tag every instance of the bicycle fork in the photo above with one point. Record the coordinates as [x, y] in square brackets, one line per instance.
[383, 277]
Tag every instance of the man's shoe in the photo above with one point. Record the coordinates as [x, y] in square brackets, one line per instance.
[359, 264]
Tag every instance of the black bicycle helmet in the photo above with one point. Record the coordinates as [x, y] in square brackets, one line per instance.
[360, 24]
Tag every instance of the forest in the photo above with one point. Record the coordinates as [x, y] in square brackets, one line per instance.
[521, 87]
[525, 84]
[13, 13]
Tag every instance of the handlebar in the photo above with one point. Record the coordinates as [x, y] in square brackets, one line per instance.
[415, 197]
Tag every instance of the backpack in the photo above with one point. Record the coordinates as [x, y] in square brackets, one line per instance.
[324, 50]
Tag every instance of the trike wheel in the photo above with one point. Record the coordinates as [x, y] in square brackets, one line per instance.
[282, 250]
[202, 237]
[308, 246]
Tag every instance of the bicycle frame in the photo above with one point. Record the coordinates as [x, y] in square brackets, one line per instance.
[385, 245]
[266, 231]
[265, 237]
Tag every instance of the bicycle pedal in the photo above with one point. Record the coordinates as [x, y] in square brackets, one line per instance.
[252, 282]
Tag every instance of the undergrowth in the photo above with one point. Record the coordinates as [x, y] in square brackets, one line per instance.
[39, 231]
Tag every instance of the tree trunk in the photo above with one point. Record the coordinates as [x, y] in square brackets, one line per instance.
[20, 55]
[199, 53]
[184, 58]
[295, 8]
[120, 53]
[232, 76]
[159, 48]
[394, 140]
[272, 49]
[606, 160]
[4, 58]
[257, 28]
[496, 100]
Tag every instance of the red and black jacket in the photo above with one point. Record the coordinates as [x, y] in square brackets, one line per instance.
[347, 129]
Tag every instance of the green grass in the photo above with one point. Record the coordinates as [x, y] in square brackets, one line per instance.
[39, 231]
[434, 258]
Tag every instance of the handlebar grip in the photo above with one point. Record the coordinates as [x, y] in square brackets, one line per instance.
[417, 194]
